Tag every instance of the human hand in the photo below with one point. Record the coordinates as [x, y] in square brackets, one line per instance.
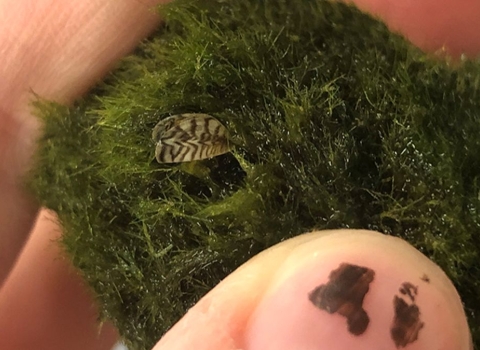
[58, 50]
[62, 69]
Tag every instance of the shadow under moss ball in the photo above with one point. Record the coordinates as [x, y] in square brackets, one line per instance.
[335, 122]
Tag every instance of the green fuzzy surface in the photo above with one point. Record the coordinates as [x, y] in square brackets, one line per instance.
[337, 123]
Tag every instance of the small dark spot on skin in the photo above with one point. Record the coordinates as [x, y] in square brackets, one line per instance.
[410, 290]
[425, 278]
[406, 323]
[344, 294]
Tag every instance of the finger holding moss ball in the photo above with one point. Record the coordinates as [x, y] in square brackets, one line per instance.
[339, 122]
[365, 291]
[336, 290]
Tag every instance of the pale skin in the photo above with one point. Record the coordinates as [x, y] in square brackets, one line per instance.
[59, 49]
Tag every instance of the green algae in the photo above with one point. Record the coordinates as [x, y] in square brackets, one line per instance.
[337, 123]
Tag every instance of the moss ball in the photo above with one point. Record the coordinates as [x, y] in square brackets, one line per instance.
[336, 123]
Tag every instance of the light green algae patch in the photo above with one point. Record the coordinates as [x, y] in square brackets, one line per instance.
[336, 123]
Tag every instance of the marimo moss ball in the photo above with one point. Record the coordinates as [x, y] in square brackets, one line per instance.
[333, 122]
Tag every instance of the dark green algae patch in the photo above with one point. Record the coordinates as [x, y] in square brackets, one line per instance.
[337, 123]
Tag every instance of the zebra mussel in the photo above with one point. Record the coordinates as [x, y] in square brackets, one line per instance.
[188, 137]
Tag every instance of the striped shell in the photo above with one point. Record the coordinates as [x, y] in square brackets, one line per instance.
[188, 137]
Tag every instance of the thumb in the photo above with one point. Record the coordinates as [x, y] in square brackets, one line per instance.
[343, 289]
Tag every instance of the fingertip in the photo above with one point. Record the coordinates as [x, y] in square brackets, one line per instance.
[341, 289]
[432, 25]
[358, 290]
[45, 304]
